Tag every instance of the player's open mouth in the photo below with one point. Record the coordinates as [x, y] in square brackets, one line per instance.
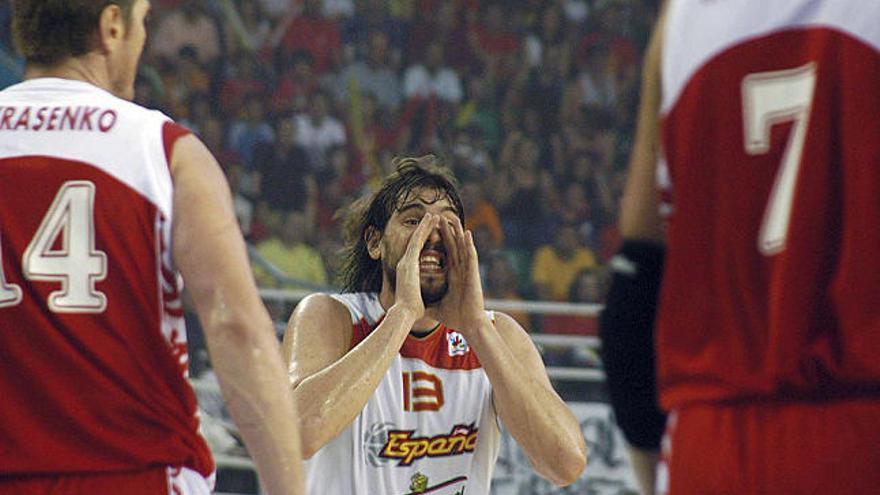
[432, 261]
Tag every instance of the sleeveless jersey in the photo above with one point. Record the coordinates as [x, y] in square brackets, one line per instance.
[770, 125]
[92, 340]
[430, 426]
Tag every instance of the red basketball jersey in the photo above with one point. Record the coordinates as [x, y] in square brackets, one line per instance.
[92, 342]
[771, 119]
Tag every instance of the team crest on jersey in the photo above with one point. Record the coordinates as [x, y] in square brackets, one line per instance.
[456, 344]
[419, 483]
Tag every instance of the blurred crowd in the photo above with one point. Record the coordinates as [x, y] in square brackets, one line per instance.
[304, 102]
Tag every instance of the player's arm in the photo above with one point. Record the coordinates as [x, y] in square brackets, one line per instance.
[627, 322]
[210, 253]
[332, 384]
[537, 418]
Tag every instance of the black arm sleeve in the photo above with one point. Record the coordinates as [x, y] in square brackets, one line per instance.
[626, 328]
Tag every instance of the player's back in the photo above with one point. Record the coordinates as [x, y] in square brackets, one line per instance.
[770, 121]
[92, 339]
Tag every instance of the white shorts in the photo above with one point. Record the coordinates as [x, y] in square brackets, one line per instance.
[185, 481]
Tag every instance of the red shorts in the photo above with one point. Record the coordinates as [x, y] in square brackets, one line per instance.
[156, 481]
[773, 448]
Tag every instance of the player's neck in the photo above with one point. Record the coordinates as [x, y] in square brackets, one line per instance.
[423, 324]
[77, 69]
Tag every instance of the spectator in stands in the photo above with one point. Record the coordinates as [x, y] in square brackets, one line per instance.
[11, 66]
[595, 80]
[432, 78]
[545, 86]
[374, 75]
[492, 37]
[275, 10]
[286, 172]
[548, 33]
[183, 79]
[372, 16]
[291, 253]
[338, 9]
[247, 28]
[308, 30]
[517, 192]
[588, 288]
[472, 159]
[502, 283]
[243, 75]
[573, 206]
[244, 206]
[480, 212]
[556, 265]
[212, 130]
[480, 111]
[297, 82]
[198, 109]
[317, 131]
[189, 24]
[250, 130]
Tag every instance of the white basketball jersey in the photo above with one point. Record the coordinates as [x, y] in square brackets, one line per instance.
[430, 426]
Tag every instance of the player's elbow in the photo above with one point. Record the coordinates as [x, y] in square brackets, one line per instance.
[565, 466]
[311, 439]
[569, 466]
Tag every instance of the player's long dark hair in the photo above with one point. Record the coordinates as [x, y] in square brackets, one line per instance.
[359, 272]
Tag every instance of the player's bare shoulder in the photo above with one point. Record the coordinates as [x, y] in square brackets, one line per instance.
[318, 333]
[509, 328]
[322, 307]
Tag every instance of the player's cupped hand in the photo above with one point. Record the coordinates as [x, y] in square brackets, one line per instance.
[408, 293]
[462, 309]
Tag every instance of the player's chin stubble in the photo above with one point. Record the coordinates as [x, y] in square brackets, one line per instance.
[431, 295]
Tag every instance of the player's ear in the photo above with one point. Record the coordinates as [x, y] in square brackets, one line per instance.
[111, 27]
[372, 236]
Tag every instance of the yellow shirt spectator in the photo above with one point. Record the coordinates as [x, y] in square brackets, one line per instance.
[555, 266]
[292, 255]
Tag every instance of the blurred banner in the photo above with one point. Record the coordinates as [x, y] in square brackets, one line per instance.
[608, 469]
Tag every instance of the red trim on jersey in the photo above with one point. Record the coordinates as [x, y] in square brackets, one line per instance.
[171, 132]
[435, 349]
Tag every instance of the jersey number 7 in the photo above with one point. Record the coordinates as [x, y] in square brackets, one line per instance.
[77, 265]
[771, 98]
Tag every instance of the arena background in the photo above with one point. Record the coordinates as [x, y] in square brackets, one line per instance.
[531, 102]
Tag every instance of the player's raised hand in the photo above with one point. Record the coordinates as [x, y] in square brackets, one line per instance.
[462, 309]
[408, 293]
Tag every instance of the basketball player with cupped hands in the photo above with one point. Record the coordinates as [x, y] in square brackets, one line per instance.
[402, 379]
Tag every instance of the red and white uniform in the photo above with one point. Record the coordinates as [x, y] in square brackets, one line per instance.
[770, 125]
[92, 341]
[430, 426]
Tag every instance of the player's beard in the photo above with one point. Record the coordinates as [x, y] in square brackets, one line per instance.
[431, 296]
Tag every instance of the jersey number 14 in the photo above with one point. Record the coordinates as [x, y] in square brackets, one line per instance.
[77, 265]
